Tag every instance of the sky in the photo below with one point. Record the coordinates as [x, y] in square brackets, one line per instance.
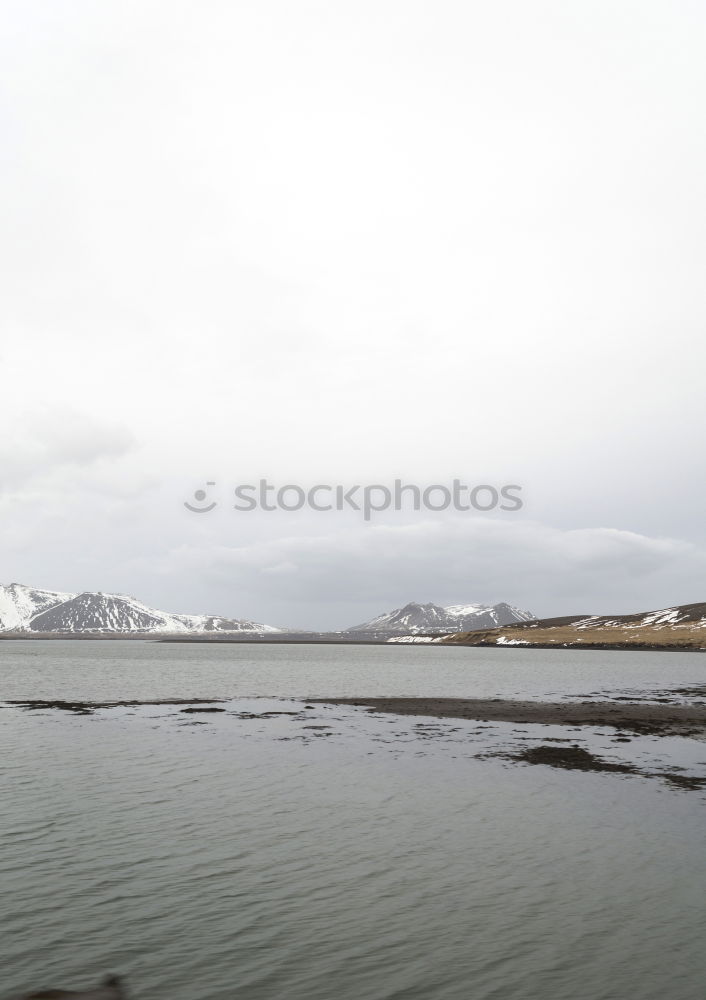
[345, 243]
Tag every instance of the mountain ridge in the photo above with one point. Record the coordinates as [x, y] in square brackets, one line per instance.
[34, 611]
[414, 618]
[680, 626]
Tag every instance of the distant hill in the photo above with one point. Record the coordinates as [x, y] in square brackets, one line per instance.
[26, 609]
[681, 626]
[415, 618]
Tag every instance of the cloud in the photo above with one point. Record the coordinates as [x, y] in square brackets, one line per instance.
[546, 569]
[70, 437]
[339, 283]
[48, 442]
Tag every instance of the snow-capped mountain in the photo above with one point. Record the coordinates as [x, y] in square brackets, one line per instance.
[24, 609]
[19, 604]
[414, 618]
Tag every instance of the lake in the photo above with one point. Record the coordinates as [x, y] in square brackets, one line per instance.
[276, 850]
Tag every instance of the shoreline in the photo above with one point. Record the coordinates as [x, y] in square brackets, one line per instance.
[442, 642]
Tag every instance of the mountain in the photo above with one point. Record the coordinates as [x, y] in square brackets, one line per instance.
[24, 609]
[682, 626]
[691, 615]
[414, 618]
[19, 604]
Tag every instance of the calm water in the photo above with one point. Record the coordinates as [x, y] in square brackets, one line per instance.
[378, 857]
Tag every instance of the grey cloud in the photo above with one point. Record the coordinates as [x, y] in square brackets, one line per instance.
[68, 436]
[547, 570]
[56, 438]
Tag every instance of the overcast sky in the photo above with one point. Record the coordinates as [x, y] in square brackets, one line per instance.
[349, 242]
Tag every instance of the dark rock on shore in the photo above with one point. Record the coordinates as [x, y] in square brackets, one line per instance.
[87, 707]
[202, 708]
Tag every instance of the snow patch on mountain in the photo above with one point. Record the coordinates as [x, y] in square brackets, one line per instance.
[402, 639]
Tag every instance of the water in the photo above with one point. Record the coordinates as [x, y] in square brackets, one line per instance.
[214, 856]
[105, 670]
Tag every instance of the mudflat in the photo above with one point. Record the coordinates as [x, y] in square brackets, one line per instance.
[667, 718]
